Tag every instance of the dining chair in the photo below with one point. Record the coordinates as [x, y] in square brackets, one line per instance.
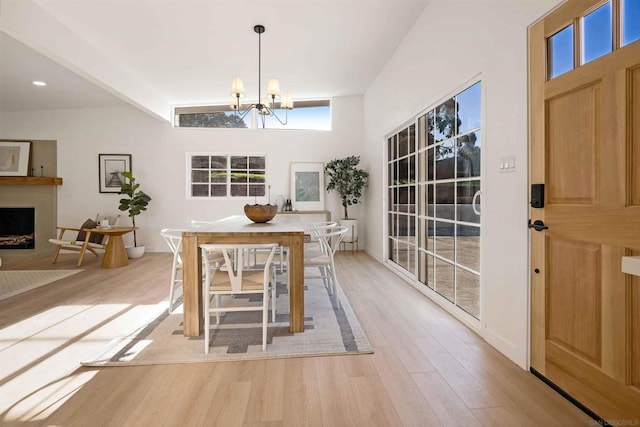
[312, 247]
[173, 237]
[233, 278]
[329, 239]
[86, 238]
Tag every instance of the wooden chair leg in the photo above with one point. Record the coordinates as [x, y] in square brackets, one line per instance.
[55, 258]
[83, 250]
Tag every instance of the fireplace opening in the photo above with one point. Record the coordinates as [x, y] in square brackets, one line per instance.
[17, 228]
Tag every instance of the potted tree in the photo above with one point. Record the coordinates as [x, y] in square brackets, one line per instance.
[135, 202]
[348, 181]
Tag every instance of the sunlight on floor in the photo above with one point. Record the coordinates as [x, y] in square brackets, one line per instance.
[34, 352]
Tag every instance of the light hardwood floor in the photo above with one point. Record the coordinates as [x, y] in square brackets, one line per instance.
[427, 369]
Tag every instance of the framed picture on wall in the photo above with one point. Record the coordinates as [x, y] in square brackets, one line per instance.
[307, 186]
[14, 158]
[110, 168]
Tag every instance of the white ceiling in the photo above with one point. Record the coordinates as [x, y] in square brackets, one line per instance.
[187, 51]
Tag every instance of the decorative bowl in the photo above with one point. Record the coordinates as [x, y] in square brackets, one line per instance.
[260, 213]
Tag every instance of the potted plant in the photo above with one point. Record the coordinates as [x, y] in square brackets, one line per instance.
[348, 181]
[135, 202]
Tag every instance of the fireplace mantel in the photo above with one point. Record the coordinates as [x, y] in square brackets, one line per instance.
[30, 180]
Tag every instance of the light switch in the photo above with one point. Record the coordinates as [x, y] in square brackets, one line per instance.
[508, 163]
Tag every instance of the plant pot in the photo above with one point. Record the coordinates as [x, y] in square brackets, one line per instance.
[135, 251]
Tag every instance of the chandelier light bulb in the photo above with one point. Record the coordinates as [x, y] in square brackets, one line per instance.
[273, 88]
[237, 87]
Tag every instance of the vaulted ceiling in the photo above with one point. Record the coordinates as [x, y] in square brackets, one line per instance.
[158, 53]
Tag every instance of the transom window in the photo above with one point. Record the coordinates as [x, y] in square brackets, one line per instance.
[597, 35]
[308, 115]
[225, 175]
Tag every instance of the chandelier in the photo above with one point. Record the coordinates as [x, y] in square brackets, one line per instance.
[265, 106]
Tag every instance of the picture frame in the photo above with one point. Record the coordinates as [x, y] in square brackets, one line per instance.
[110, 168]
[307, 186]
[15, 158]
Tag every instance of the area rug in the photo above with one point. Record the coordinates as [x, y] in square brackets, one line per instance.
[17, 281]
[331, 328]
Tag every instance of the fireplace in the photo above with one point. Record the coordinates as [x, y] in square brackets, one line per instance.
[17, 228]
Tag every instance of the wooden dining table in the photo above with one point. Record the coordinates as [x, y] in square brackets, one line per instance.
[285, 231]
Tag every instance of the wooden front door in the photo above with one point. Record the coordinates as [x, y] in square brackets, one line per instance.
[585, 148]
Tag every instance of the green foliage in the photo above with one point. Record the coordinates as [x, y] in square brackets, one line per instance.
[217, 119]
[135, 202]
[347, 180]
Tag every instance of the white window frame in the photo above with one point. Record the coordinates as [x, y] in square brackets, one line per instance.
[228, 184]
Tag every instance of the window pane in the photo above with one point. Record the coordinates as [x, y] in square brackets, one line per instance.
[256, 162]
[468, 246]
[200, 176]
[218, 162]
[430, 235]
[630, 21]
[403, 144]
[430, 164]
[469, 108]
[238, 190]
[391, 152]
[431, 128]
[239, 162]
[412, 169]
[200, 162]
[464, 193]
[560, 52]
[402, 255]
[445, 163]
[256, 190]
[445, 120]
[444, 280]
[430, 202]
[256, 176]
[199, 190]
[219, 191]
[445, 244]
[316, 118]
[597, 34]
[422, 267]
[392, 251]
[219, 176]
[238, 177]
[430, 271]
[444, 200]
[468, 292]
[468, 155]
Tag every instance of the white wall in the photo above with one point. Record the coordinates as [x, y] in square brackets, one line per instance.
[452, 43]
[159, 159]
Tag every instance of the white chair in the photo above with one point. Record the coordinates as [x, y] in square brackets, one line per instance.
[173, 237]
[313, 248]
[329, 239]
[233, 278]
[85, 239]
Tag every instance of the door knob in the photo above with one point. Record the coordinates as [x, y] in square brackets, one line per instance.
[537, 225]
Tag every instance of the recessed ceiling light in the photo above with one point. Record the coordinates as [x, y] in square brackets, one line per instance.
[38, 83]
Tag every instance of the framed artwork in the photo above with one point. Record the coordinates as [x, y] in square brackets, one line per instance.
[307, 186]
[110, 171]
[14, 158]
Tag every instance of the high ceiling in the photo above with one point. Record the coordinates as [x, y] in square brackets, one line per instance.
[159, 53]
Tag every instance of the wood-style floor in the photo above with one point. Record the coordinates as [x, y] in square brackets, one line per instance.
[427, 369]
